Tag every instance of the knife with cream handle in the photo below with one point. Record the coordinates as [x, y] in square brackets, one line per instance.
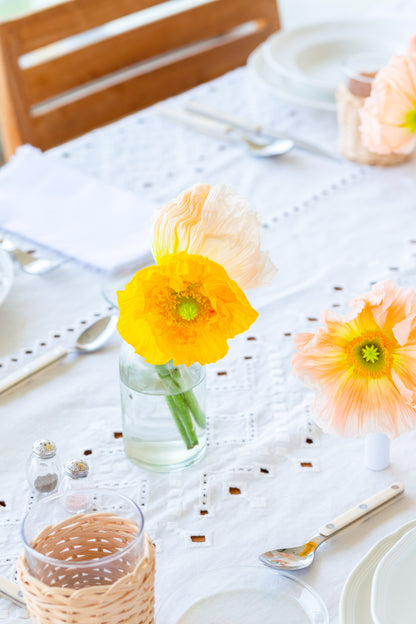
[219, 130]
[207, 126]
[11, 590]
[254, 128]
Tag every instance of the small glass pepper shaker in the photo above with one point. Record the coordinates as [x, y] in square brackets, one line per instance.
[76, 478]
[43, 468]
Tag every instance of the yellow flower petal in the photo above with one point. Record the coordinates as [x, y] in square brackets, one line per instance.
[185, 309]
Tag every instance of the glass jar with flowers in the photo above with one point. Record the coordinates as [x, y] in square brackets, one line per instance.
[377, 109]
[176, 316]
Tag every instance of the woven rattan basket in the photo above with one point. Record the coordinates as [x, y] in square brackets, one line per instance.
[128, 600]
[349, 136]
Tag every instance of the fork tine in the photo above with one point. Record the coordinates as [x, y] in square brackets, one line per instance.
[29, 263]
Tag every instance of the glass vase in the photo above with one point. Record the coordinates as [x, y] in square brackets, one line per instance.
[163, 412]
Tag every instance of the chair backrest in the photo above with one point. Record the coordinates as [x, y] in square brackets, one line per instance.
[77, 84]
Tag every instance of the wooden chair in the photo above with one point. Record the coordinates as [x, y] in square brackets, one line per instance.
[55, 100]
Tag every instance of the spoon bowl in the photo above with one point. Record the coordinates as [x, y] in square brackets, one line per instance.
[97, 334]
[277, 147]
[294, 558]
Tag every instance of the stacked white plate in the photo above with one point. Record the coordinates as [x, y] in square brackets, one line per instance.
[306, 65]
[381, 588]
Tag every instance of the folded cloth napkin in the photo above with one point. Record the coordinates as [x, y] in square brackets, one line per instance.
[79, 216]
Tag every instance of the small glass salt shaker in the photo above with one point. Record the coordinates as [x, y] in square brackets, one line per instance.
[76, 478]
[43, 468]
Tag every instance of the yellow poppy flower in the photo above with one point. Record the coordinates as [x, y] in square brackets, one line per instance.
[183, 309]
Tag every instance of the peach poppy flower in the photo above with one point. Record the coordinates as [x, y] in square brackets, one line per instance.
[412, 45]
[184, 309]
[363, 365]
[215, 223]
[388, 117]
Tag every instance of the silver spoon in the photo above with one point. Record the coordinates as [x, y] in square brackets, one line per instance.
[91, 339]
[277, 147]
[300, 557]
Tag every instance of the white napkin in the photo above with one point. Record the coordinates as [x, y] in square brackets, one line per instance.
[74, 214]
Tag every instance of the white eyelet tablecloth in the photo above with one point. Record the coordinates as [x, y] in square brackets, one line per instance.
[332, 229]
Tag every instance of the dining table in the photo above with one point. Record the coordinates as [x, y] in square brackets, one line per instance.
[270, 477]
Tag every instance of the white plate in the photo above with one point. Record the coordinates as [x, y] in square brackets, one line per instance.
[6, 274]
[247, 595]
[355, 605]
[314, 55]
[394, 583]
[284, 88]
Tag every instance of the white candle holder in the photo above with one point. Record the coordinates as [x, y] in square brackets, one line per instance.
[377, 451]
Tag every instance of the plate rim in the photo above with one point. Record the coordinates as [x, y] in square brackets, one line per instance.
[308, 30]
[6, 261]
[253, 569]
[377, 578]
[372, 556]
[286, 94]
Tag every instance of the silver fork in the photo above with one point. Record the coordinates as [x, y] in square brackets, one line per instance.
[29, 263]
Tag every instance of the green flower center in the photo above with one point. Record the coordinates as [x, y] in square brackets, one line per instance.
[410, 120]
[370, 354]
[187, 309]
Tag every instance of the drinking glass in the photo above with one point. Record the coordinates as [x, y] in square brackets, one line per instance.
[96, 545]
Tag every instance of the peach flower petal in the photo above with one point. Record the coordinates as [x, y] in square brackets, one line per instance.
[412, 45]
[383, 116]
[215, 223]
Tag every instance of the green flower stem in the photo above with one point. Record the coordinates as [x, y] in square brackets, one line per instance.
[178, 406]
[190, 398]
[196, 411]
[183, 421]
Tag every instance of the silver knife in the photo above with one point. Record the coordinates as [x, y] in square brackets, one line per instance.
[201, 123]
[256, 128]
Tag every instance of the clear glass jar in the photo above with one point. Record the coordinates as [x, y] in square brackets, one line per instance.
[163, 412]
[42, 469]
[97, 547]
[75, 480]
[359, 71]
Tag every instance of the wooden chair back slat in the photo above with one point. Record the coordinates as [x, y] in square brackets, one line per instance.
[71, 18]
[98, 108]
[94, 61]
[58, 99]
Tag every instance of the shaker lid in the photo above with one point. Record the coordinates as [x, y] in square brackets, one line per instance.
[44, 448]
[76, 468]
